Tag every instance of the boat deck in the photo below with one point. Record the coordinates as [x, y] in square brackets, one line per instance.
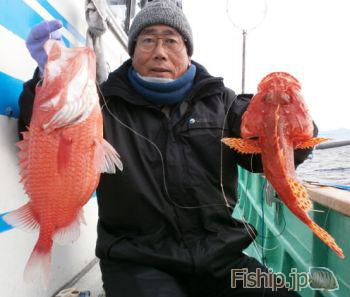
[88, 280]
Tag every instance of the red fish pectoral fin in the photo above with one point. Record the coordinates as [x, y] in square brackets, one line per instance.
[310, 142]
[64, 152]
[106, 157]
[22, 218]
[300, 192]
[245, 146]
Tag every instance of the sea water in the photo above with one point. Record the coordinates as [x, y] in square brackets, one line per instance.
[329, 166]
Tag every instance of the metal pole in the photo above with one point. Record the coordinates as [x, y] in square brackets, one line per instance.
[130, 12]
[244, 35]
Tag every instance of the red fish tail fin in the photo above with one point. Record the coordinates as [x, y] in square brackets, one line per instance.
[39, 263]
[300, 192]
[310, 142]
[326, 238]
[303, 205]
[245, 146]
[106, 157]
[22, 218]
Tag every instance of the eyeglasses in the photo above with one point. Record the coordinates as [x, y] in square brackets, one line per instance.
[170, 42]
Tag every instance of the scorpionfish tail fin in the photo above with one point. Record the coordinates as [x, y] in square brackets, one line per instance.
[327, 239]
[300, 192]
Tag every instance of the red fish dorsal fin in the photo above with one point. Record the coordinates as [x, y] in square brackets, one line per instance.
[23, 159]
[245, 146]
[23, 218]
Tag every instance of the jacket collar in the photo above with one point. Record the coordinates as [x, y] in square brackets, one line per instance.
[118, 84]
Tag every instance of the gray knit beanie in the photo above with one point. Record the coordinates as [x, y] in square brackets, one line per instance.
[161, 12]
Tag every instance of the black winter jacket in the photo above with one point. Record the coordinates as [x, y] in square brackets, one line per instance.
[167, 207]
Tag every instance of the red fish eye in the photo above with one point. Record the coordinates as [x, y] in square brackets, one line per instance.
[267, 97]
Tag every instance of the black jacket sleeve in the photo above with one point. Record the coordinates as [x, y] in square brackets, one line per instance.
[26, 101]
[252, 162]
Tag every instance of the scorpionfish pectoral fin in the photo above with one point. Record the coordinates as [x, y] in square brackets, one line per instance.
[310, 142]
[245, 146]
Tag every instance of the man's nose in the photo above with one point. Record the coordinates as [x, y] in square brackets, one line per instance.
[160, 50]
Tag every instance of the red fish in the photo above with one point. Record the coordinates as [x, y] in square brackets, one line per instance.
[275, 123]
[62, 154]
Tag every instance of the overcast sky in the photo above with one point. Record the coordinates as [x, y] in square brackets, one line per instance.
[308, 38]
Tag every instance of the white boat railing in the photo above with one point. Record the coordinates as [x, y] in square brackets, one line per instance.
[332, 144]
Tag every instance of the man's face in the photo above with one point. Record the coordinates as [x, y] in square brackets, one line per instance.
[160, 52]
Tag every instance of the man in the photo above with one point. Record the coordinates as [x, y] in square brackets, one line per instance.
[165, 225]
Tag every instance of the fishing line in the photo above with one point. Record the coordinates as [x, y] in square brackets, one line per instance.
[263, 229]
[249, 229]
[247, 226]
[326, 219]
[226, 203]
[282, 216]
[251, 232]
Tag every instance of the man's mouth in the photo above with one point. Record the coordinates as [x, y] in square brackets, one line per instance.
[159, 69]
